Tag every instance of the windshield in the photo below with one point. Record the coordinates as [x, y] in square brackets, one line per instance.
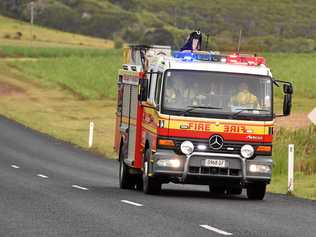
[195, 93]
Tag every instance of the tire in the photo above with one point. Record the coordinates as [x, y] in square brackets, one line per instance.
[217, 189]
[234, 191]
[150, 184]
[126, 180]
[256, 191]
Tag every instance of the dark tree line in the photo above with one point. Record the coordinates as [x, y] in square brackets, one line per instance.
[283, 25]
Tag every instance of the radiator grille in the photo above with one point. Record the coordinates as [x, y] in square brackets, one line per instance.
[197, 166]
[214, 171]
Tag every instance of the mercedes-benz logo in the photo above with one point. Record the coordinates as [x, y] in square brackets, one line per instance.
[216, 142]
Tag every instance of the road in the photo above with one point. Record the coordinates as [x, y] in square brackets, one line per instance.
[49, 188]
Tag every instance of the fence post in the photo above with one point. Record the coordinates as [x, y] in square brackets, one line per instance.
[91, 134]
[290, 185]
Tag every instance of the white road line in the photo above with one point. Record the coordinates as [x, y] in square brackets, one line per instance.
[15, 167]
[132, 203]
[42, 176]
[79, 187]
[215, 230]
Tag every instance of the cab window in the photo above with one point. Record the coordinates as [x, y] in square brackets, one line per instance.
[158, 87]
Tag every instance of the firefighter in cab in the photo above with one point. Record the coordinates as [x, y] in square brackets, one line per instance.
[244, 98]
[174, 95]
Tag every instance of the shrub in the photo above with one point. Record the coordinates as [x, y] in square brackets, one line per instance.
[160, 36]
[7, 36]
[18, 35]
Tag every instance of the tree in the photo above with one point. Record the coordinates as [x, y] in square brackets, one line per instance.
[159, 36]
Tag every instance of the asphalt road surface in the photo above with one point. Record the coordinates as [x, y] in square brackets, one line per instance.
[49, 188]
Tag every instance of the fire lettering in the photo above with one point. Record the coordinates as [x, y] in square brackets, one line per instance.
[234, 129]
[201, 127]
[207, 127]
[204, 127]
[191, 126]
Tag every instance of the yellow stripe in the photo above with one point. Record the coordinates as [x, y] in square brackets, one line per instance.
[213, 127]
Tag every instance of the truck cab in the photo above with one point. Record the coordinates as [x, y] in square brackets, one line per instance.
[200, 118]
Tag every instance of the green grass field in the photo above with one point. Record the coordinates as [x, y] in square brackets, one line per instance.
[13, 51]
[296, 68]
[14, 32]
[88, 76]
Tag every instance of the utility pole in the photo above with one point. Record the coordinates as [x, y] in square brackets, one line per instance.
[239, 41]
[32, 20]
[32, 12]
[207, 36]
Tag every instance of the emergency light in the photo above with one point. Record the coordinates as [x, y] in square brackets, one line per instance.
[245, 59]
[191, 56]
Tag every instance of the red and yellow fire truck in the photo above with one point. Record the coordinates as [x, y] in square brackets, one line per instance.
[196, 118]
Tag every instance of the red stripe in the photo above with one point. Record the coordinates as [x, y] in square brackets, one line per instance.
[138, 154]
[163, 131]
[207, 135]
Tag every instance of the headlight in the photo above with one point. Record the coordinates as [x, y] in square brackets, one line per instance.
[174, 163]
[259, 168]
[247, 151]
[187, 147]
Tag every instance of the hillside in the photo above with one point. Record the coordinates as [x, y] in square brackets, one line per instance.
[284, 25]
[14, 32]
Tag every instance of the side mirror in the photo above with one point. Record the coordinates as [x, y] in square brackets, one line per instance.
[143, 88]
[287, 104]
[287, 99]
[288, 89]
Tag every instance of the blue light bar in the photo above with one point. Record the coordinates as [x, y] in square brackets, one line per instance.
[191, 56]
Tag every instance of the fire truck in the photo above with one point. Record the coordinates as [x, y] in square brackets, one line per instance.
[196, 118]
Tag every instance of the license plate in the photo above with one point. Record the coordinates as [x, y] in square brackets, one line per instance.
[215, 163]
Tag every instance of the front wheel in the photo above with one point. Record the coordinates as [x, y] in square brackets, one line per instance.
[256, 191]
[150, 184]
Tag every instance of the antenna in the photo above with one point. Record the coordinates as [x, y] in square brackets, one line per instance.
[239, 41]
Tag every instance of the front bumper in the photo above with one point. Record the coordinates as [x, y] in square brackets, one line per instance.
[193, 171]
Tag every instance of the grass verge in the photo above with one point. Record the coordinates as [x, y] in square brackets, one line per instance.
[304, 140]
[57, 112]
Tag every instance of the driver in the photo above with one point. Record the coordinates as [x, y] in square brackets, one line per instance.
[244, 98]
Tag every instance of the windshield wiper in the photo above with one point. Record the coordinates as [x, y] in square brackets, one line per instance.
[192, 107]
[248, 109]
